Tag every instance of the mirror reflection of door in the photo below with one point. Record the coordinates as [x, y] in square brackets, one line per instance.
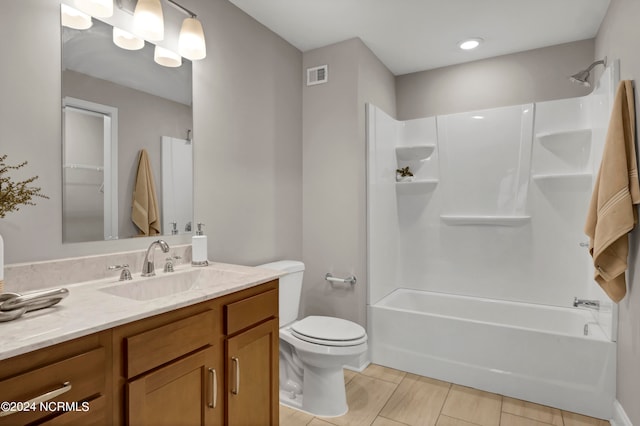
[177, 186]
[89, 188]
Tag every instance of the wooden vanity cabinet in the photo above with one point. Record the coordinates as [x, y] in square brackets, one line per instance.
[168, 368]
[251, 326]
[71, 379]
[212, 363]
[179, 367]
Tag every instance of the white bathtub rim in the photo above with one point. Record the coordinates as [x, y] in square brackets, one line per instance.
[599, 336]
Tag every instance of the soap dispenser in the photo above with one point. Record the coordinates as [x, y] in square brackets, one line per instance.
[199, 248]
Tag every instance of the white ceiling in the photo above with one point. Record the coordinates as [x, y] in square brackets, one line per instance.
[416, 35]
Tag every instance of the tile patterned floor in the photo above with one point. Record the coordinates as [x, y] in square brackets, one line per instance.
[381, 396]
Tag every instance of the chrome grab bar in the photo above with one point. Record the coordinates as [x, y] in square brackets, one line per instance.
[13, 305]
[66, 387]
[349, 280]
[236, 390]
[591, 304]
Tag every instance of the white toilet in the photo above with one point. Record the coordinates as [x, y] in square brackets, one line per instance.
[313, 350]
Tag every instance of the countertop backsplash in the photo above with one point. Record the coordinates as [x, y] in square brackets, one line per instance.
[25, 277]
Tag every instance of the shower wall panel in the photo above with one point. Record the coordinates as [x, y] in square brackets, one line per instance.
[382, 221]
[484, 157]
[533, 162]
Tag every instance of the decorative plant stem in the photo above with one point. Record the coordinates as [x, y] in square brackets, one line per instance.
[404, 171]
[15, 193]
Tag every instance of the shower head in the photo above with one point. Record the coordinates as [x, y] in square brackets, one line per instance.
[582, 77]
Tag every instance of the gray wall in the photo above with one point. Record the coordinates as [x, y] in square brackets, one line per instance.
[247, 136]
[617, 39]
[248, 124]
[334, 174]
[518, 78]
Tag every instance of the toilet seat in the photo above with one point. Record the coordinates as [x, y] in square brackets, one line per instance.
[329, 331]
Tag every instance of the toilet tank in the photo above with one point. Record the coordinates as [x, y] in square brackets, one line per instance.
[290, 288]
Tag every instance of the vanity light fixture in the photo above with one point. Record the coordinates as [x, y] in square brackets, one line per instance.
[166, 58]
[75, 19]
[191, 44]
[148, 20]
[126, 40]
[470, 43]
[97, 8]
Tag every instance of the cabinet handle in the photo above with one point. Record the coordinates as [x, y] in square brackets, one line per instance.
[214, 388]
[66, 387]
[237, 388]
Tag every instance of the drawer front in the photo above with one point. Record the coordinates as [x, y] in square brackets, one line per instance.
[250, 311]
[73, 379]
[160, 345]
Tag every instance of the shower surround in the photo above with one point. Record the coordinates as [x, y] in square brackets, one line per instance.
[491, 226]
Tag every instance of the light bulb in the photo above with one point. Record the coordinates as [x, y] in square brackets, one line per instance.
[469, 44]
[73, 18]
[126, 40]
[148, 21]
[191, 44]
[166, 57]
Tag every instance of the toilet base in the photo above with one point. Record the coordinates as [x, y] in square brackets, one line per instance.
[295, 402]
[323, 393]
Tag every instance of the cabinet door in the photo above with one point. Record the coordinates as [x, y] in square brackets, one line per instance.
[252, 376]
[184, 392]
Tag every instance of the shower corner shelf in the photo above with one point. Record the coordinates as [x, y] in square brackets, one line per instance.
[416, 187]
[485, 220]
[551, 139]
[414, 152]
[580, 177]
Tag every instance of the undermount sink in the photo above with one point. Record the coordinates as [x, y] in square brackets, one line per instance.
[141, 288]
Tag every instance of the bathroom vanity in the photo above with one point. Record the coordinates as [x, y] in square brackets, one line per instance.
[196, 362]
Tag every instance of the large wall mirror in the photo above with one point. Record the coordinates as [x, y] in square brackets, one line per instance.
[116, 103]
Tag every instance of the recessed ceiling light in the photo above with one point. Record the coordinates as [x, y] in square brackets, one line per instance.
[469, 44]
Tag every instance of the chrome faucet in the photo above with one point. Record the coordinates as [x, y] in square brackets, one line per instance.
[583, 303]
[148, 266]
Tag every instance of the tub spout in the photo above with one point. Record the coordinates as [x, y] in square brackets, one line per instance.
[583, 303]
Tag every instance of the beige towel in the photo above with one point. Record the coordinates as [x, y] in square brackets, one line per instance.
[612, 214]
[144, 212]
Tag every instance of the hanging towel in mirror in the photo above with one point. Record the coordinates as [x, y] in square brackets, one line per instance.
[612, 213]
[144, 213]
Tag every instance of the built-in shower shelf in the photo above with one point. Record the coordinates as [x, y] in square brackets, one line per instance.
[565, 138]
[485, 220]
[416, 187]
[563, 177]
[414, 152]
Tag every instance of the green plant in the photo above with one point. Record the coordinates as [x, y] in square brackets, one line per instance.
[404, 171]
[15, 193]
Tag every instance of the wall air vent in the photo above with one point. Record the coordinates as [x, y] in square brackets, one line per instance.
[317, 75]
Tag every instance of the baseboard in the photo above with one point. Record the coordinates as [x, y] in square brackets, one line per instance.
[359, 364]
[620, 417]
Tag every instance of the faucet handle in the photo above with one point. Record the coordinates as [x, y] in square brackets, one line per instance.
[125, 275]
[168, 267]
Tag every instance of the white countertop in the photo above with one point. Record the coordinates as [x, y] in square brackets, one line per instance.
[88, 309]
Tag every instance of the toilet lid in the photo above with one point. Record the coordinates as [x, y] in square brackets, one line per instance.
[329, 331]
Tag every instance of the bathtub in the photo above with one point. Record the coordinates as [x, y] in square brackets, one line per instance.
[533, 352]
